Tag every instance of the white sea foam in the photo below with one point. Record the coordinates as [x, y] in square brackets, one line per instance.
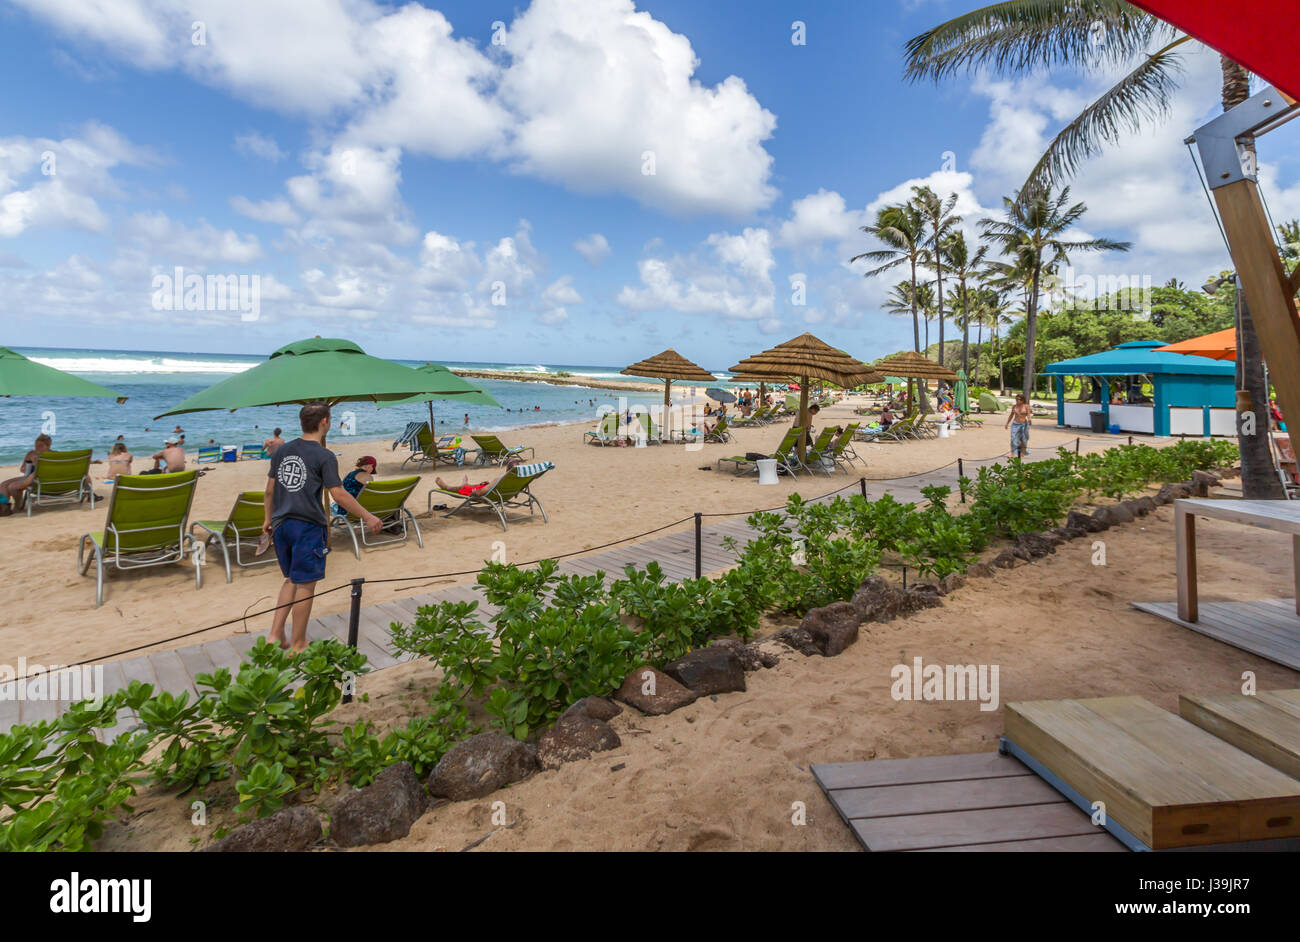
[140, 365]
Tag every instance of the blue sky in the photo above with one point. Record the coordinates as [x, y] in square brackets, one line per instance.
[389, 171]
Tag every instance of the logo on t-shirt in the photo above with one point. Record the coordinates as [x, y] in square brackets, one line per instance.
[293, 473]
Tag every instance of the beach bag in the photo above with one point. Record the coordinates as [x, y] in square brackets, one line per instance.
[754, 456]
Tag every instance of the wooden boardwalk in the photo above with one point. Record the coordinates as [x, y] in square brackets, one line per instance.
[979, 802]
[1269, 628]
[174, 670]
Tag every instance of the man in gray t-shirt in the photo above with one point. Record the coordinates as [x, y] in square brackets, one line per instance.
[301, 470]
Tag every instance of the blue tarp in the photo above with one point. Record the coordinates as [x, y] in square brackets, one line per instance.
[1129, 359]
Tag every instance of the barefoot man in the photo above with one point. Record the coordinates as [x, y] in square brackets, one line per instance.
[300, 470]
[1018, 420]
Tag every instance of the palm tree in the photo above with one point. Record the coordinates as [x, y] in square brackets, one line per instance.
[963, 266]
[1019, 37]
[938, 215]
[902, 231]
[986, 308]
[1032, 233]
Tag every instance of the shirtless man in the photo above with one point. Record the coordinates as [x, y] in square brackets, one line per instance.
[13, 490]
[466, 489]
[1018, 420]
[171, 458]
[272, 443]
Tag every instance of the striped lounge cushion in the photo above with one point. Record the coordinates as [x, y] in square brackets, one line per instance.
[537, 467]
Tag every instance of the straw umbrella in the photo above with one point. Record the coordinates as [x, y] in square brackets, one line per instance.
[668, 366]
[914, 366]
[807, 358]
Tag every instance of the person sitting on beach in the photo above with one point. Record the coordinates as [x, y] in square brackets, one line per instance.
[356, 479]
[886, 417]
[171, 458]
[119, 461]
[14, 490]
[272, 443]
[466, 489]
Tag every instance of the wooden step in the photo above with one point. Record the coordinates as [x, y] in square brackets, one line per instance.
[1266, 725]
[1166, 781]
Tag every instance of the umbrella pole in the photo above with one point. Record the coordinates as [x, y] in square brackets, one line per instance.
[433, 430]
[803, 418]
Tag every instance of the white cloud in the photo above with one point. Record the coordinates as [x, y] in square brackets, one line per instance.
[594, 248]
[735, 282]
[180, 244]
[817, 218]
[258, 145]
[275, 211]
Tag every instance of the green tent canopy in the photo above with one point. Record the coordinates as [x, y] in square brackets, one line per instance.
[20, 376]
[319, 369]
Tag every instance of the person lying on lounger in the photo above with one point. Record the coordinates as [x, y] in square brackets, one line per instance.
[14, 490]
[466, 489]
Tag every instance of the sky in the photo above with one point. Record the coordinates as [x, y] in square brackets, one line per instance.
[559, 181]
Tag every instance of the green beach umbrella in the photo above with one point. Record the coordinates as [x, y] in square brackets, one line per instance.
[325, 370]
[447, 385]
[20, 376]
[960, 394]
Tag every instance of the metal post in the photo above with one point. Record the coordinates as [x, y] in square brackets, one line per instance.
[1076, 444]
[863, 483]
[698, 558]
[961, 473]
[1130, 439]
[904, 578]
[354, 621]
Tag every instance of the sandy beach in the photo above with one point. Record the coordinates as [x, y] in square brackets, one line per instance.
[593, 496]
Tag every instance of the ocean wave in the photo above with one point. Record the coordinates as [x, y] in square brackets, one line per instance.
[137, 365]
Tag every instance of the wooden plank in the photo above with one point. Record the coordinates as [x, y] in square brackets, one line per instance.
[171, 673]
[976, 765]
[1079, 843]
[883, 801]
[9, 709]
[196, 661]
[1286, 700]
[962, 828]
[1251, 724]
[1218, 622]
[223, 654]
[1163, 779]
[139, 669]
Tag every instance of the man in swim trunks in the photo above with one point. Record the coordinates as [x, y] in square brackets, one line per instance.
[466, 489]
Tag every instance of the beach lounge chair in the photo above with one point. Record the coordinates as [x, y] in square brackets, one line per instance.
[386, 499]
[147, 526]
[646, 424]
[513, 490]
[424, 449]
[409, 434]
[721, 432]
[208, 454]
[606, 433]
[784, 455]
[819, 453]
[62, 477]
[840, 450]
[239, 531]
[492, 450]
[253, 453]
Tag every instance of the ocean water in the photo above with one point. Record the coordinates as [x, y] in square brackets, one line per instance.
[157, 381]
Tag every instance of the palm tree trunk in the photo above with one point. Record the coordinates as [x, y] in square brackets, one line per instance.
[965, 328]
[938, 267]
[1031, 328]
[979, 342]
[1259, 480]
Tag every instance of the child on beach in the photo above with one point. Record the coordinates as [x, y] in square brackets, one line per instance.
[295, 516]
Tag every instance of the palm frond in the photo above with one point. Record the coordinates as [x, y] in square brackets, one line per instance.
[1019, 36]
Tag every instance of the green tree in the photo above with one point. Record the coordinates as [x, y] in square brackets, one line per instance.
[942, 222]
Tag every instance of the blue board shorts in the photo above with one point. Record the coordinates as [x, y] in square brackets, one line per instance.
[1019, 435]
[301, 547]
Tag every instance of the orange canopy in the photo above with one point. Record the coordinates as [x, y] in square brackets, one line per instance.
[1220, 345]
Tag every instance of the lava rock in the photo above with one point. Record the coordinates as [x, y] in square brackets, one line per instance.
[383, 811]
[751, 657]
[1033, 546]
[664, 696]
[1113, 514]
[575, 736]
[1071, 533]
[799, 640]
[480, 765]
[878, 600]
[1007, 559]
[1172, 492]
[1141, 506]
[1085, 522]
[979, 571]
[287, 831]
[708, 671]
[598, 708]
[832, 627]
[951, 583]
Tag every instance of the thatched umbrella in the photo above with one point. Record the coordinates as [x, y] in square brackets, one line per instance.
[668, 366]
[914, 366]
[804, 358]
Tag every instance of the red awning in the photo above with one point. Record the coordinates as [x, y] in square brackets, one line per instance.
[1261, 35]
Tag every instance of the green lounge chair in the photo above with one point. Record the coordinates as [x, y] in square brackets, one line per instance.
[146, 526]
[753, 419]
[606, 433]
[840, 450]
[646, 423]
[386, 499]
[513, 490]
[253, 453]
[819, 450]
[721, 432]
[491, 450]
[62, 477]
[208, 454]
[784, 455]
[239, 531]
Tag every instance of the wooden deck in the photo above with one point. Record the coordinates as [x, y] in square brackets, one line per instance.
[1269, 628]
[979, 802]
[1265, 724]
